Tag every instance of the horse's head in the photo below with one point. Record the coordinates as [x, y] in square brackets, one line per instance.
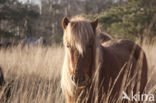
[79, 41]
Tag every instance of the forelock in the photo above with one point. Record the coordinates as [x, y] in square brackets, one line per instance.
[79, 34]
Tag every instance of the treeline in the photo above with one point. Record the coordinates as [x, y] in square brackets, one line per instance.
[131, 19]
[16, 20]
[134, 19]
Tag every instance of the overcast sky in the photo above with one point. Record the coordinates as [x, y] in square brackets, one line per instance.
[36, 1]
[33, 1]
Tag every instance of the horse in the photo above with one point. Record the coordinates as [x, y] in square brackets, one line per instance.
[33, 42]
[95, 72]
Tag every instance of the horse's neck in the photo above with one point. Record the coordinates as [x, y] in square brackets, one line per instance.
[97, 63]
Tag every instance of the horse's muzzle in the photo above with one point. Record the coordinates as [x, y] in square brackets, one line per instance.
[80, 81]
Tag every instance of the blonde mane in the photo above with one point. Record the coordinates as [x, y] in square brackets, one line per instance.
[79, 33]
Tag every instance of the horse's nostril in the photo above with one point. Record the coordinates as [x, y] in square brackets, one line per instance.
[83, 78]
[79, 80]
[76, 79]
[77, 71]
[73, 78]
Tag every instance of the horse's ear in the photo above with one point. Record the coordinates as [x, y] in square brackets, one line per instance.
[65, 22]
[94, 24]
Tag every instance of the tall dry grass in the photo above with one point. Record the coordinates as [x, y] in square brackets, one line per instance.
[35, 73]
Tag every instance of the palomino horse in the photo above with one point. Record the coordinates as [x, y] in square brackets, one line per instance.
[95, 72]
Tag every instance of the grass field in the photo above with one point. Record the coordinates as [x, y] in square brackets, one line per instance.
[35, 73]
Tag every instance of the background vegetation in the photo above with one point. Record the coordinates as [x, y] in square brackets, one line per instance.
[130, 19]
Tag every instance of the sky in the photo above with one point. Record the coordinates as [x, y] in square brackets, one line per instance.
[33, 1]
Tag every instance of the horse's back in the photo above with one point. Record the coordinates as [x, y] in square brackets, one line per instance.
[123, 47]
[119, 44]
